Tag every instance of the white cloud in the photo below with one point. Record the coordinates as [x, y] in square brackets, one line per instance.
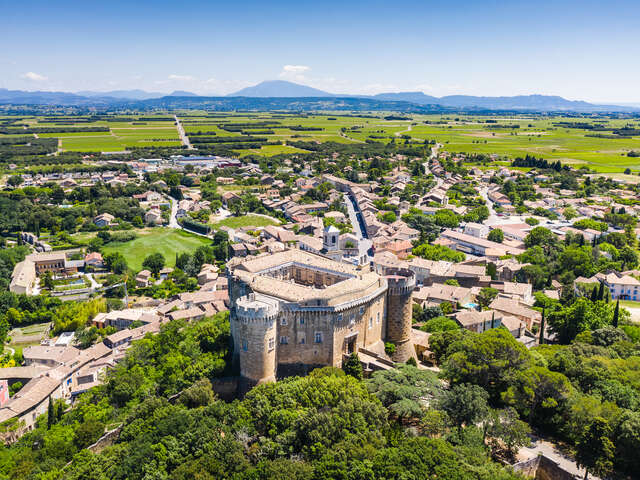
[424, 86]
[34, 77]
[295, 69]
[294, 72]
[181, 78]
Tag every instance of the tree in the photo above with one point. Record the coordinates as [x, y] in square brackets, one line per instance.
[15, 180]
[496, 235]
[616, 314]
[580, 316]
[353, 366]
[47, 280]
[446, 218]
[541, 339]
[137, 221]
[200, 394]
[492, 270]
[537, 393]
[540, 236]
[465, 404]
[116, 263]
[505, 425]
[50, 414]
[595, 450]
[440, 324]
[452, 281]
[490, 359]
[486, 296]
[154, 262]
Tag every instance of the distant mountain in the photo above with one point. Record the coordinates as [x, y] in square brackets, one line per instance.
[179, 93]
[287, 95]
[128, 94]
[48, 98]
[413, 97]
[520, 102]
[279, 89]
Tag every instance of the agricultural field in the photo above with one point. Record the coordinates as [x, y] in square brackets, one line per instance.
[167, 241]
[249, 220]
[124, 133]
[598, 142]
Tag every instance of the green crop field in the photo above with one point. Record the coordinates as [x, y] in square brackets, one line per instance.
[164, 240]
[552, 138]
[246, 221]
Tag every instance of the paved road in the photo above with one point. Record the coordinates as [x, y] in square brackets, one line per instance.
[353, 217]
[493, 217]
[173, 220]
[397, 134]
[94, 284]
[183, 136]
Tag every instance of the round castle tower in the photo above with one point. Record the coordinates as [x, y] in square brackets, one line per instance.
[254, 335]
[401, 283]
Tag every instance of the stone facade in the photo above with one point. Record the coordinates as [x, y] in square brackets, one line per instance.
[294, 311]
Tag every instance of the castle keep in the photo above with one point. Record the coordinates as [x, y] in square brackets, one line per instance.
[293, 311]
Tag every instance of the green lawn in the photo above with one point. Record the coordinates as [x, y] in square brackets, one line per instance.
[246, 221]
[164, 240]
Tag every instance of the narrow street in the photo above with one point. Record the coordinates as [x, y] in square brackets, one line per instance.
[356, 224]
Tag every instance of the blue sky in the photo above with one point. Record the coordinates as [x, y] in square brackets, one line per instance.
[577, 49]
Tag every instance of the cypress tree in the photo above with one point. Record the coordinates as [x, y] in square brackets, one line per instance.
[353, 366]
[51, 418]
[616, 314]
[541, 341]
[594, 294]
[601, 291]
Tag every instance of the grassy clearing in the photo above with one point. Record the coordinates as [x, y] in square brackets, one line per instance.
[167, 241]
[246, 221]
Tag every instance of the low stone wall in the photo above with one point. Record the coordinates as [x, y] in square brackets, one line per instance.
[105, 441]
[225, 388]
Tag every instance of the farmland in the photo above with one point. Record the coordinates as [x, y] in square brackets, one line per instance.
[601, 143]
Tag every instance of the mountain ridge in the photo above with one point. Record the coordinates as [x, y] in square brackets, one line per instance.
[281, 89]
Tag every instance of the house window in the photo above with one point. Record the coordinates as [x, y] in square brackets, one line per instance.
[318, 337]
[303, 340]
[339, 317]
[378, 318]
[370, 322]
[302, 321]
[284, 340]
[361, 310]
[283, 321]
[245, 345]
[272, 344]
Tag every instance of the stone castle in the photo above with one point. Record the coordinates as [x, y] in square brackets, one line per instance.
[293, 311]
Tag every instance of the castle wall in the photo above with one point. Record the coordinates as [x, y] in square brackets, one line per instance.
[276, 335]
[254, 334]
[298, 332]
[399, 313]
